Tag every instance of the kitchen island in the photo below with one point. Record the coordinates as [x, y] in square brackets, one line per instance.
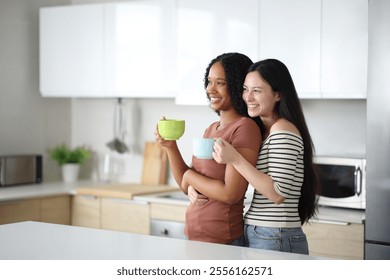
[156, 210]
[45, 241]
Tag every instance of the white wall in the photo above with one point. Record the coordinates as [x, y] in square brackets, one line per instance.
[28, 123]
[338, 127]
[93, 125]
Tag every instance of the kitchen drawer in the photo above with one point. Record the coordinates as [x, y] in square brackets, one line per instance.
[19, 211]
[167, 228]
[335, 240]
[168, 212]
[86, 211]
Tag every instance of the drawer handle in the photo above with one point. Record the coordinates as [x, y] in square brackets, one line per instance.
[332, 222]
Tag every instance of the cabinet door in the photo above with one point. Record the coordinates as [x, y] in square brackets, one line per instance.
[71, 51]
[344, 50]
[19, 211]
[56, 210]
[340, 241]
[206, 29]
[291, 32]
[125, 215]
[86, 211]
[140, 49]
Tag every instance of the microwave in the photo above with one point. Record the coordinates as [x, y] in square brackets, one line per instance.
[20, 169]
[342, 181]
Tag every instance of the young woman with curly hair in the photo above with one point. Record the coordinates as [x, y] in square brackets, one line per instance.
[219, 220]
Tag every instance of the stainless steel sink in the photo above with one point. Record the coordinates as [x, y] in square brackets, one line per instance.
[178, 197]
[175, 197]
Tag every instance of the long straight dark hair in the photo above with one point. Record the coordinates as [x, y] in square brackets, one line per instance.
[276, 74]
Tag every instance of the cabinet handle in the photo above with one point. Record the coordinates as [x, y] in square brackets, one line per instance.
[88, 196]
[126, 200]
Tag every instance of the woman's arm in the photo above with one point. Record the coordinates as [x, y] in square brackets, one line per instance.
[225, 153]
[230, 190]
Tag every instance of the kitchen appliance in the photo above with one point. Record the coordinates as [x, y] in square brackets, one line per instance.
[377, 224]
[20, 169]
[342, 181]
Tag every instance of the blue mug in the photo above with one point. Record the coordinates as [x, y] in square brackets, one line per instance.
[203, 147]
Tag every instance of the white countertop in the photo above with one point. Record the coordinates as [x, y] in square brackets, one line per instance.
[9, 193]
[44, 241]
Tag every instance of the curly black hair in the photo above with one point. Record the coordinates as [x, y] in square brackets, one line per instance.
[236, 66]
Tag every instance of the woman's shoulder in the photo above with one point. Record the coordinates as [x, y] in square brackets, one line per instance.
[246, 124]
[246, 121]
[212, 126]
[285, 126]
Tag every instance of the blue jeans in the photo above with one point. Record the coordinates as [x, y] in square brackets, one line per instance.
[291, 240]
[238, 242]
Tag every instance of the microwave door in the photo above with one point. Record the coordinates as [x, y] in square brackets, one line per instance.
[337, 181]
[19, 170]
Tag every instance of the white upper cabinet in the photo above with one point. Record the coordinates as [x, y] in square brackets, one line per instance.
[291, 32]
[161, 48]
[206, 29]
[108, 50]
[344, 51]
[323, 43]
[140, 49]
[71, 51]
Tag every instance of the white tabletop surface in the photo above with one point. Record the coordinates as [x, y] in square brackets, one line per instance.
[44, 241]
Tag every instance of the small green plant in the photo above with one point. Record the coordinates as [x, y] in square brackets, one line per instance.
[62, 154]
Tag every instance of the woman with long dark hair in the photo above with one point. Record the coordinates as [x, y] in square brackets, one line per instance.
[284, 178]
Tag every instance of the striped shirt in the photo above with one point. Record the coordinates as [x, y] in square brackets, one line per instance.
[281, 157]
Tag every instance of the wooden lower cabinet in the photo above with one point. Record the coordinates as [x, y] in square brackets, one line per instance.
[125, 215]
[19, 211]
[54, 209]
[340, 241]
[86, 211]
[111, 213]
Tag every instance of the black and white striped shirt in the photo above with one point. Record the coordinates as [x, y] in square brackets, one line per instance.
[281, 157]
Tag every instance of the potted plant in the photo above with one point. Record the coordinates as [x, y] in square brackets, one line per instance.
[69, 160]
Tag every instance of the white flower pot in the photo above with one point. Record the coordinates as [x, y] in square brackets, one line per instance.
[70, 172]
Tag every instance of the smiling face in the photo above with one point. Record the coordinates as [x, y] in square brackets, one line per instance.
[259, 96]
[217, 88]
